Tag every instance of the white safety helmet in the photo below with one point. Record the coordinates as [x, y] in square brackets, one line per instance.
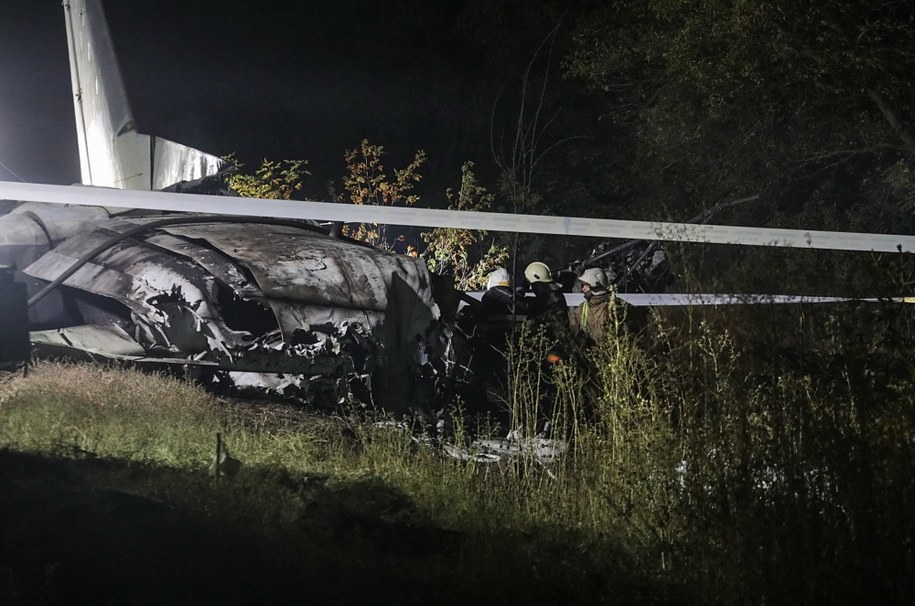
[594, 277]
[499, 277]
[538, 272]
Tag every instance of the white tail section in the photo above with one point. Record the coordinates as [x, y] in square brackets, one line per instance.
[111, 151]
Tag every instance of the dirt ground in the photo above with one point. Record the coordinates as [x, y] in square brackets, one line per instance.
[66, 540]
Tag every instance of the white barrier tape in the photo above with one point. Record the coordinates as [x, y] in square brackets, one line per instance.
[423, 217]
[664, 299]
[686, 299]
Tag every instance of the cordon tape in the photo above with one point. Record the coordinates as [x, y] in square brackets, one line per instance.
[424, 217]
[539, 224]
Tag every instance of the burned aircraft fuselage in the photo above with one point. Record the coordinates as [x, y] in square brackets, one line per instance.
[262, 302]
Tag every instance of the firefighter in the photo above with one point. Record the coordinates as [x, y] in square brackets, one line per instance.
[500, 308]
[593, 315]
[548, 298]
[547, 310]
[489, 327]
[500, 298]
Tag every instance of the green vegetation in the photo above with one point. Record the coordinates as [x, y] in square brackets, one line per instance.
[759, 455]
[805, 103]
[367, 183]
[271, 180]
[462, 253]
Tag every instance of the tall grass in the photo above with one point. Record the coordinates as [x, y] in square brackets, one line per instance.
[704, 453]
[752, 469]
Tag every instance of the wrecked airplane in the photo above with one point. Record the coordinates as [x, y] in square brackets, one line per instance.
[275, 305]
[268, 304]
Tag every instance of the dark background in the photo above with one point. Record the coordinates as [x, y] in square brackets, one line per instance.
[278, 80]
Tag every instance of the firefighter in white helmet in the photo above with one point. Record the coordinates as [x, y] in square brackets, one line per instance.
[593, 315]
[488, 327]
[500, 297]
[548, 298]
[498, 278]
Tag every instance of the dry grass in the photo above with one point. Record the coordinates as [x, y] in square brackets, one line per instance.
[697, 460]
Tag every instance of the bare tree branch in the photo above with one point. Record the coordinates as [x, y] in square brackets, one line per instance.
[892, 118]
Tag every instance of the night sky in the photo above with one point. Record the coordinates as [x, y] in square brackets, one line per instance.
[268, 79]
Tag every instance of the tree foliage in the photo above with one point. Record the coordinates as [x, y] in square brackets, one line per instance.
[763, 87]
[809, 103]
[462, 253]
[274, 180]
[366, 182]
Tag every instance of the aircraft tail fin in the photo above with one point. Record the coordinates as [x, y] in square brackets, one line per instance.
[112, 153]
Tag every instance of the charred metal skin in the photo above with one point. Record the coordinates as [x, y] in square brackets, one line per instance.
[264, 305]
[230, 297]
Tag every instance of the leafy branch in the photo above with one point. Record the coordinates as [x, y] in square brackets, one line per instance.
[272, 180]
[367, 183]
[453, 251]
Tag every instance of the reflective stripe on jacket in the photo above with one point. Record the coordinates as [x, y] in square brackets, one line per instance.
[592, 316]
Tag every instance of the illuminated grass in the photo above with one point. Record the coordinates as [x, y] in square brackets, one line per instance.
[334, 488]
[699, 460]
